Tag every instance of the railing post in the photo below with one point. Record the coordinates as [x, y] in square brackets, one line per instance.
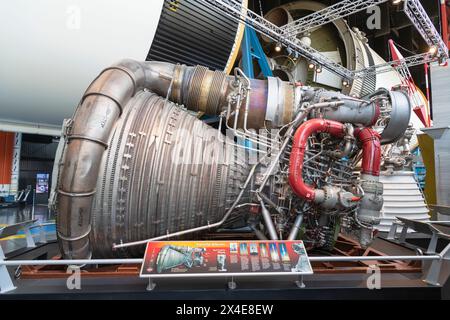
[433, 243]
[232, 284]
[42, 234]
[299, 283]
[403, 234]
[434, 272]
[6, 283]
[393, 231]
[151, 284]
[29, 237]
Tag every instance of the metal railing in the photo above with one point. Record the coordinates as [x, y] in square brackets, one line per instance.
[432, 275]
[419, 18]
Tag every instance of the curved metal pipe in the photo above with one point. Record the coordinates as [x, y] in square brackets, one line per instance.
[296, 227]
[261, 236]
[371, 147]
[101, 106]
[349, 139]
[268, 221]
[297, 156]
[290, 130]
[372, 201]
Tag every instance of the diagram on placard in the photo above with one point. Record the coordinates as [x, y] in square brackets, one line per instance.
[174, 256]
[209, 257]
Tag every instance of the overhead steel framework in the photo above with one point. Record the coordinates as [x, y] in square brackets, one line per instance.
[407, 62]
[337, 11]
[416, 13]
[283, 35]
[235, 10]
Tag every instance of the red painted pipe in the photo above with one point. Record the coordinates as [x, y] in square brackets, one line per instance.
[369, 138]
[300, 141]
[371, 146]
[444, 22]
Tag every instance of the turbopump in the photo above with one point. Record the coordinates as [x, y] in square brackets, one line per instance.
[283, 160]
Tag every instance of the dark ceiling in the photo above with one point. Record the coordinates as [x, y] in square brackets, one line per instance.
[395, 25]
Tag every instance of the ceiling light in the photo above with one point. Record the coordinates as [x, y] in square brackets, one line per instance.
[432, 50]
[278, 47]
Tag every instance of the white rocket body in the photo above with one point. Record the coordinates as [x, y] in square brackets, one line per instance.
[52, 49]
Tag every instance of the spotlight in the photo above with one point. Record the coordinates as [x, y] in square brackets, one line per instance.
[345, 83]
[311, 66]
[278, 47]
[319, 69]
[432, 50]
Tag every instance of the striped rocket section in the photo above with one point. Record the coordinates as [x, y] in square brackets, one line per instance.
[402, 198]
[191, 33]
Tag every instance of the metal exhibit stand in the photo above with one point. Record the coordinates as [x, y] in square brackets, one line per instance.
[231, 278]
[231, 283]
[163, 259]
[430, 228]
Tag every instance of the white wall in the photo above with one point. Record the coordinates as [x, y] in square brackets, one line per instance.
[50, 50]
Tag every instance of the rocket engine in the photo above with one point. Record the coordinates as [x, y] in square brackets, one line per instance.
[284, 160]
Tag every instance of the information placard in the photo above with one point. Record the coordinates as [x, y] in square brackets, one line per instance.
[225, 258]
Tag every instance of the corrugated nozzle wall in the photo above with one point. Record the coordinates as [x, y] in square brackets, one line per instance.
[164, 171]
